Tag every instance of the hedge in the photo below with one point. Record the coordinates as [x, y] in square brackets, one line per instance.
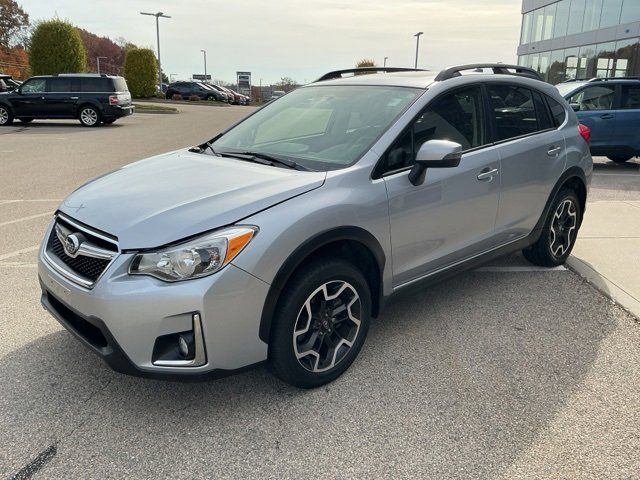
[141, 72]
[56, 47]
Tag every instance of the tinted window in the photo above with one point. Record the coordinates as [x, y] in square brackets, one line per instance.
[120, 84]
[59, 84]
[95, 85]
[557, 111]
[542, 112]
[513, 111]
[630, 97]
[593, 98]
[36, 85]
[456, 116]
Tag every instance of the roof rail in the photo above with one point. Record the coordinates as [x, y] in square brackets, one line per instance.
[338, 73]
[79, 75]
[604, 79]
[498, 68]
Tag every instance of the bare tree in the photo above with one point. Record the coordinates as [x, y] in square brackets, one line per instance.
[14, 24]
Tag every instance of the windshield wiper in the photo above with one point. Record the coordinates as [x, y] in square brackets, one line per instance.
[274, 159]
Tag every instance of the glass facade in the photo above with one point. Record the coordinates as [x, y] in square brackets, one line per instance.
[569, 17]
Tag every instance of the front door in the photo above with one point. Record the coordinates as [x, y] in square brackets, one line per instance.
[30, 101]
[451, 216]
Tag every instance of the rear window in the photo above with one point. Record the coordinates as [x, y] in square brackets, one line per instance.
[120, 84]
[96, 85]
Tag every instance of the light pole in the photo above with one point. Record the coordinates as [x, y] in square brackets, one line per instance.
[158, 16]
[98, 62]
[205, 65]
[385, 61]
[417, 35]
[260, 92]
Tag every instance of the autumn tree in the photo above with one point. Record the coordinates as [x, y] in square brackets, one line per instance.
[102, 47]
[287, 84]
[14, 23]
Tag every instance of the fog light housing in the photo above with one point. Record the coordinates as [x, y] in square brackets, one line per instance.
[182, 349]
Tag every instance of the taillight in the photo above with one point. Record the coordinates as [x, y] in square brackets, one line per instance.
[585, 132]
[113, 100]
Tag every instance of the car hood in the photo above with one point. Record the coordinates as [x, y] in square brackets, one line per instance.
[173, 196]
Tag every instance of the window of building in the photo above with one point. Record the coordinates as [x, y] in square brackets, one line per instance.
[586, 59]
[610, 13]
[535, 61]
[592, 12]
[549, 15]
[457, 116]
[513, 110]
[630, 11]
[571, 63]
[627, 58]
[526, 28]
[593, 98]
[605, 59]
[557, 110]
[556, 67]
[576, 16]
[543, 65]
[562, 19]
[538, 25]
[630, 97]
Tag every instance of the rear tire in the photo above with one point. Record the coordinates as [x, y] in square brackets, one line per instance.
[320, 324]
[619, 158]
[559, 232]
[6, 116]
[89, 116]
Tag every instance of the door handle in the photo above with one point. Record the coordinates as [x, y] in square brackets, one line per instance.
[554, 151]
[487, 174]
[606, 116]
[74, 98]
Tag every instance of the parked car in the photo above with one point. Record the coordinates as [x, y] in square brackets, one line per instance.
[610, 107]
[228, 96]
[8, 84]
[276, 94]
[280, 238]
[91, 98]
[187, 89]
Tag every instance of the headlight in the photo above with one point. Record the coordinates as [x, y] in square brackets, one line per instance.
[194, 259]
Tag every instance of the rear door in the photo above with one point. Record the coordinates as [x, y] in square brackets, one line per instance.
[59, 99]
[626, 136]
[595, 109]
[532, 152]
[30, 101]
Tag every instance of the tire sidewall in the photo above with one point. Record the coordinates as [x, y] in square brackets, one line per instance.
[282, 360]
[9, 116]
[89, 107]
[562, 196]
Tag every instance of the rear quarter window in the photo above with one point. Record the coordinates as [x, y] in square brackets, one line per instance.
[120, 84]
[558, 111]
[97, 85]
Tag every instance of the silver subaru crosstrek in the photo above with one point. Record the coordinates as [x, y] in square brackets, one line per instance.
[279, 239]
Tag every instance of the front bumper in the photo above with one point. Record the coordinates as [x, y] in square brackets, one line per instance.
[121, 317]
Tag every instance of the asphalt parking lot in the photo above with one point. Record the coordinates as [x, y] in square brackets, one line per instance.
[505, 372]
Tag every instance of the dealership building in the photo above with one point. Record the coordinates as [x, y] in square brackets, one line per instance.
[570, 39]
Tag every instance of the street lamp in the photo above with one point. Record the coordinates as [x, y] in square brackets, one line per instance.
[205, 65]
[417, 35]
[385, 61]
[98, 62]
[158, 16]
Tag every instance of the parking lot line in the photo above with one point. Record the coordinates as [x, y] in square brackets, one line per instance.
[616, 174]
[18, 265]
[30, 200]
[532, 268]
[24, 219]
[19, 252]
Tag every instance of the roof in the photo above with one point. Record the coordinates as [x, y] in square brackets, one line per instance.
[416, 79]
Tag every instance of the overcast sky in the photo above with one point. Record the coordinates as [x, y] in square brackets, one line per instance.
[300, 38]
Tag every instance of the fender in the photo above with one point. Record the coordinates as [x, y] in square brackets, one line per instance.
[93, 103]
[302, 253]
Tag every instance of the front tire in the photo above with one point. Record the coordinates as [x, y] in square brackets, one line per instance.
[89, 116]
[559, 233]
[6, 116]
[320, 324]
[619, 158]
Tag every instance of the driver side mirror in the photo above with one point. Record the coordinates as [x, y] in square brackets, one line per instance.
[435, 154]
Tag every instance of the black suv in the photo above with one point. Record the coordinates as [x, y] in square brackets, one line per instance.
[187, 89]
[90, 98]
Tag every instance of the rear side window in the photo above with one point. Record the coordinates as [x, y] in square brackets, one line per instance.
[96, 85]
[593, 98]
[542, 112]
[120, 84]
[513, 110]
[557, 111]
[59, 85]
[630, 97]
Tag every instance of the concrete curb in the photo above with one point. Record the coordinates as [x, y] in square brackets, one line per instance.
[604, 285]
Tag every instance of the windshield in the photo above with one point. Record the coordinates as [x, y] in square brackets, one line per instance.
[320, 127]
[566, 88]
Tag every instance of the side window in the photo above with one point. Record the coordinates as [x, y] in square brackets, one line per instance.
[513, 110]
[593, 98]
[36, 85]
[542, 112]
[59, 84]
[95, 85]
[557, 111]
[456, 116]
[630, 97]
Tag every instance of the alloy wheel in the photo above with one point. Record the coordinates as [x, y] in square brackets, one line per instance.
[89, 116]
[327, 326]
[4, 116]
[563, 226]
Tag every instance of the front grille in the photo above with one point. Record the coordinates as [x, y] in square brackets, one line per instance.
[88, 267]
[96, 253]
[89, 332]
